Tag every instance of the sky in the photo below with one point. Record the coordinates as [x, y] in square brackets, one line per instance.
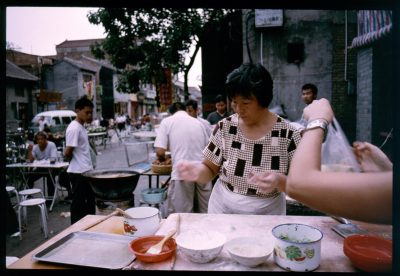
[37, 31]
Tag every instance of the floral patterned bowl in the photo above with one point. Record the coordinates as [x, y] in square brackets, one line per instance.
[297, 246]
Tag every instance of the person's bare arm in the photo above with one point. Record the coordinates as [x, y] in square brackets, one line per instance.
[68, 152]
[29, 155]
[359, 196]
[160, 152]
[199, 172]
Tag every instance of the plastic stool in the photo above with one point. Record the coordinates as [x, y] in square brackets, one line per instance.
[41, 203]
[29, 192]
[25, 193]
[10, 189]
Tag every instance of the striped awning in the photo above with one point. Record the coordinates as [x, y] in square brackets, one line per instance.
[372, 25]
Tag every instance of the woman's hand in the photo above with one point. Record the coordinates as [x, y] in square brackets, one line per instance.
[266, 181]
[188, 170]
[318, 109]
[371, 158]
[200, 172]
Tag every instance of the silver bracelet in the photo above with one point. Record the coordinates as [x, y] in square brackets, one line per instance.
[317, 123]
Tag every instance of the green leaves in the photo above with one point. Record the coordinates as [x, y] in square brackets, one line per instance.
[150, 39]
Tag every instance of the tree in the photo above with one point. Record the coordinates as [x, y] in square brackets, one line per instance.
[142, 42]
[12, 46]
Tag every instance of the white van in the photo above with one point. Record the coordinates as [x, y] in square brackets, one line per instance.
[57, 120]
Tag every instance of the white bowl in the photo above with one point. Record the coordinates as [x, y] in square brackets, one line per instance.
[297, 246]
[249, 251]
[200, 246]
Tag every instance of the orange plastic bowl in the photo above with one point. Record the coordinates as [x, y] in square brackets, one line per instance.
[369, 253]
[140, 245]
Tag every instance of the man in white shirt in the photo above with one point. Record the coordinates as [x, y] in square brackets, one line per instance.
[78, 151]
[185, 137]
[43, 150]
[192, 110]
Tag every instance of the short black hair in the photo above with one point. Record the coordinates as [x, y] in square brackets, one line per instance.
[82, 102]
[250, 79]
[219, 98]
[312, 87]
[176, 106]
[191, 103]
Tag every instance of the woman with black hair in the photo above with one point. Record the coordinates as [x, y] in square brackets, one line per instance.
[251, 150]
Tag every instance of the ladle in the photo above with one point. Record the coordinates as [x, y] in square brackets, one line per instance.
[157, 248]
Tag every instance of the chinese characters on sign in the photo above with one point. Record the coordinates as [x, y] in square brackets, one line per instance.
[268, 18]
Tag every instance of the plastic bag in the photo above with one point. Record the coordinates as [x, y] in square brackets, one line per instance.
[337, 154]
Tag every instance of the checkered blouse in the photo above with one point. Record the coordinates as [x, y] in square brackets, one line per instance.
[238, 155]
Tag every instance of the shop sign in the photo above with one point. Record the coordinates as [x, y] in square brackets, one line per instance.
[150, 101]
[49, 97]
[268, 18]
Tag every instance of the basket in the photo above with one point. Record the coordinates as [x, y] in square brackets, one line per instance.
[161, 169]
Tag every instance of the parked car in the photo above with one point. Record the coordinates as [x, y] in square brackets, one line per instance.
[57, 120]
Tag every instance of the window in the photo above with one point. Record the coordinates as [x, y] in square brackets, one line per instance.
[14, 110]
[66, 120]
[295, 52]
[22, 111]
[19, 90]
[56, 120]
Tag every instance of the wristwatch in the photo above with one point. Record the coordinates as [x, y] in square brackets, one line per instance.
[317, 123]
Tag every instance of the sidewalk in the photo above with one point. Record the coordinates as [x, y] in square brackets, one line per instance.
[113, 156]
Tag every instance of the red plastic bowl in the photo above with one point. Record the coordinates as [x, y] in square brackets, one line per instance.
[140, 245]
[369, 253]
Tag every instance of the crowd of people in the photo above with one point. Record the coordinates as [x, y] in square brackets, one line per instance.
[244, 162]
[254, 173]
[123, 122]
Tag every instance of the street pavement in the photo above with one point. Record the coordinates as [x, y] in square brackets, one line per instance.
[111, 157]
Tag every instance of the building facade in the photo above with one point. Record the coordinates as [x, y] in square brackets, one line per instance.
[375, 78]
[73, 79]
[348, 54]
[19, 87]
[305, 46]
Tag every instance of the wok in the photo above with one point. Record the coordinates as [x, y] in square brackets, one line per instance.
[114, 184]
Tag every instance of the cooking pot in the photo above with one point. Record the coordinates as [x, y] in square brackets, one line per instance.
[142, 221]
[113, 184]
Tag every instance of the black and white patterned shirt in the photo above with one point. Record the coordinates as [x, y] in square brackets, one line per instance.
[238, 155]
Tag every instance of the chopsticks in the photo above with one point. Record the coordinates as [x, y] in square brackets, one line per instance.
[173, 259]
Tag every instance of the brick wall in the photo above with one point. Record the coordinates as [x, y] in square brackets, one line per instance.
[344, 99]
[364, 94]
